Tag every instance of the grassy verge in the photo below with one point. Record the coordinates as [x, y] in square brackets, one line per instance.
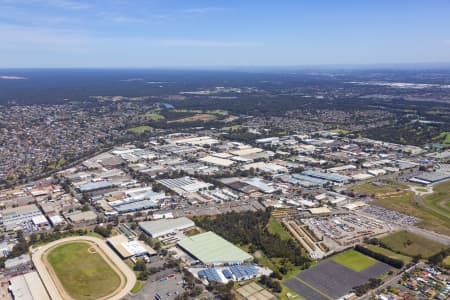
[138, 286]
[284, 294]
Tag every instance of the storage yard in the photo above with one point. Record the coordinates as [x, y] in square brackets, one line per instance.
[332, 234]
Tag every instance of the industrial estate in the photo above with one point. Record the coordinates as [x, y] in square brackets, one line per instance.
[200, 215]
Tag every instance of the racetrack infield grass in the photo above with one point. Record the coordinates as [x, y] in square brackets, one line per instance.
[83, 274]
[411, 244]
[354, 260]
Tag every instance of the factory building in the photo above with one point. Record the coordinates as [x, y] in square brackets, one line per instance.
[163, 227]
[211, 249]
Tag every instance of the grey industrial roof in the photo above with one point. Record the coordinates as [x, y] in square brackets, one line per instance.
[135, 206]
[165, 226]
[434, 176]
[28, 287]
[326, 176]
[210, 248]
[91, 186]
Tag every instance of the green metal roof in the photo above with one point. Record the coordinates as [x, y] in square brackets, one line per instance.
[210, 248]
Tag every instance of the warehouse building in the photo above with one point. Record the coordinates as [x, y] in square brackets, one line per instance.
[270, 168]
[94, 186]
[217, 161]
[211, 249]
[128, 248]
[431, 177]
[332, 177]
[164, 227]
[15, 218]
[184, 185]
[135, 206]
[81, 218]
[28, 287]
[260, 184]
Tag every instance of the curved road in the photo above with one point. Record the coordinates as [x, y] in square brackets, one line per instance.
[37, 257]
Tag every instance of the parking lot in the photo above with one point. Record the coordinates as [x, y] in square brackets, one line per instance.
[387, 215]
[163, 284]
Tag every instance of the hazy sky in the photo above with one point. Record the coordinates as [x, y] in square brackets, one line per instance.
[146, 33]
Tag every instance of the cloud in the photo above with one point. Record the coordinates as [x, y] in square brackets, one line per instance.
[23, 37]
[201, 10]
[125, 19]
[7, 77]
[69, 4]
[38, 38]
[117, 18]
[205, 43]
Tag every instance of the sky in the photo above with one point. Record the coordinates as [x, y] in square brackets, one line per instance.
[228, 33]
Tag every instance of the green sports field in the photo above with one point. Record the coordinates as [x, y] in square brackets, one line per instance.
[354, 260]
[84, 275]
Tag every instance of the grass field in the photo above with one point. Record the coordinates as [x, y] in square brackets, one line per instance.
[275, 227]
[440, 198]
[446, 262]
[443, 138]
[218, 112]
[387, 188]
[232, 128]
[84, 275]
[197, 111]
[152, 116]
[340, 131]
[195, 118]
[140, 129]
[138, 286]
[405, 259]
[354, 260]
[398, 197]
[411, 244]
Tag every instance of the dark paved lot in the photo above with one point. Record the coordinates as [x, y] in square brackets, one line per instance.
[335, 280]
[376, 270]
[303, 290]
